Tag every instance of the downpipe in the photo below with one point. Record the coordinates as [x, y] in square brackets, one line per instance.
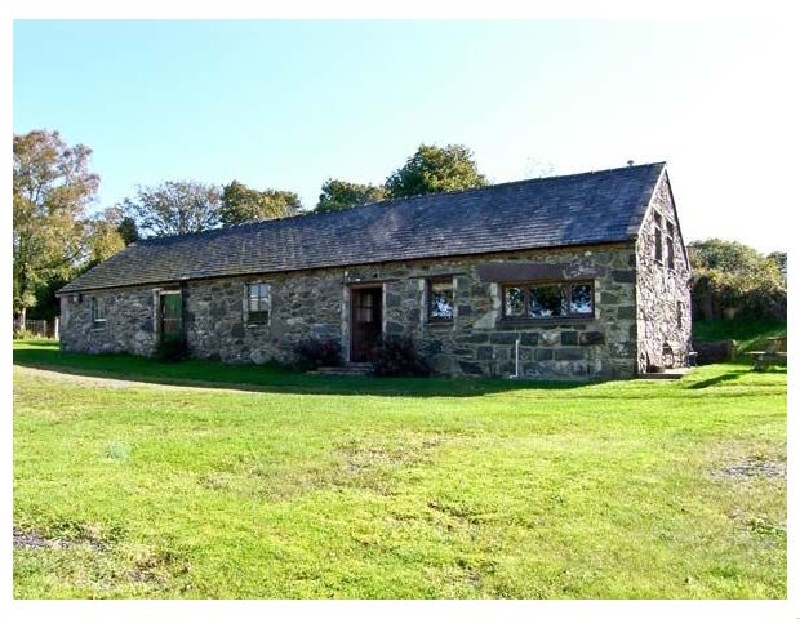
[516, 359]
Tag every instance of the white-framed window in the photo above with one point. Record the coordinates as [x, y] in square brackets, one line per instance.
[98, 313]
[441, 299]
[258, 303]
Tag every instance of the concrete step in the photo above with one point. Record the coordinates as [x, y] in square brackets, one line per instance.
[354, 369]
[668, 374]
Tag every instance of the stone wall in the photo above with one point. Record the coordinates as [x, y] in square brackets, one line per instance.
[303, 304]
[662, 293]
[477, 341]
[128, 327]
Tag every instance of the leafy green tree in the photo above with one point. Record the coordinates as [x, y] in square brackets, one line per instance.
[338, 195]
[52, 185]
[431, 169]
[128, 231]
[779, 259]
[47, 306]
[174, 207]
[103, 238]
[240, 204]
[731, 256]
[731, 274]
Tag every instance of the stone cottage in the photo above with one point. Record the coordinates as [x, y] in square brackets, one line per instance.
[588, 271]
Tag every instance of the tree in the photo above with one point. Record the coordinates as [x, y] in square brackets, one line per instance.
[174, 207]
[779, 259]
[52, 186]
[433, 169]
[240, 204]
[338, 195]
[103, 238]
[729, 274]
[128, 231]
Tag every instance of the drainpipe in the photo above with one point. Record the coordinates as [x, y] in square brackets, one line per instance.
[516, 359]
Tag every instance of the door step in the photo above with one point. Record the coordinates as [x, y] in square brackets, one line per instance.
[352, 369]
[667, 374]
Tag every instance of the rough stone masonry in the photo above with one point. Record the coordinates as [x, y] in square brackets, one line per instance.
[640, 304]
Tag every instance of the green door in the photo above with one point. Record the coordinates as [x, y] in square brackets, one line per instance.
[171, 315]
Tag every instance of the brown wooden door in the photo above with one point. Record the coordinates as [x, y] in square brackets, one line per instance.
[366, 318]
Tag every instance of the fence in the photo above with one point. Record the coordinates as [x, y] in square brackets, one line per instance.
[43, 328]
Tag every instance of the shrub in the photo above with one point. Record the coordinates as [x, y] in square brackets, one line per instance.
[172, 348]
[313, 353]
[398, 356]
[728, 274]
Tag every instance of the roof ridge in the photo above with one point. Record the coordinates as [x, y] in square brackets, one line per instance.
[389, 201]
[518, 182]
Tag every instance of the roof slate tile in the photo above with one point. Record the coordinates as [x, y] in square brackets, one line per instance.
[592, 207]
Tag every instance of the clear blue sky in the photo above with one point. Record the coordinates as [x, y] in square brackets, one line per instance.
[287, 105]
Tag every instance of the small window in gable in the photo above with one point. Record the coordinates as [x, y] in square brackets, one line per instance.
[258, 303]
[441, 300]
[658, 244]
[98, 313]
[670, 246]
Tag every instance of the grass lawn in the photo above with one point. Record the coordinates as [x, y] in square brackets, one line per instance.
[749, 334]
[299, 486]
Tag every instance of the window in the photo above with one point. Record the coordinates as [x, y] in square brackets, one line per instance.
[658, 244]
[98, 313]
[441, 299]
[670, 246]
[679, 315]
[258, 303]
[548, 300]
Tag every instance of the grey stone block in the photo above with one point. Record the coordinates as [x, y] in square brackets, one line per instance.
[484, 353]
[569, 338]
[570, 354]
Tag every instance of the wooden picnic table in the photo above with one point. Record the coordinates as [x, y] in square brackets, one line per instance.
[774, 352]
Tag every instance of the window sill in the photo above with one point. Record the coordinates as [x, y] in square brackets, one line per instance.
[544, 322]
[439, 323]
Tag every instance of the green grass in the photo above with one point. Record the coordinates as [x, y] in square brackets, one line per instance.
[749, 334]
[315, 487]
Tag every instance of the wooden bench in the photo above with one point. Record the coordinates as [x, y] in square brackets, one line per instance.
[774, 353]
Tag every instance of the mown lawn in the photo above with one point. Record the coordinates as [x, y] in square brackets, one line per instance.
[315, 487]
[750, 334]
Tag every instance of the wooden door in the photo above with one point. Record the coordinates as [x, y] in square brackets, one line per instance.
[366, 319]
[171, 312]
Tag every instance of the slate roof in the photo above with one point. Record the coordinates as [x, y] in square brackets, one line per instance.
[576, 209]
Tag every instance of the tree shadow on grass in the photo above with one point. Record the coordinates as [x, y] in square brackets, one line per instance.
[41, 343]
[716, 380]
[267, 379]
[732, 375]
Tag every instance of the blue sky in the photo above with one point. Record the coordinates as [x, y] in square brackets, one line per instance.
[288, 104]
